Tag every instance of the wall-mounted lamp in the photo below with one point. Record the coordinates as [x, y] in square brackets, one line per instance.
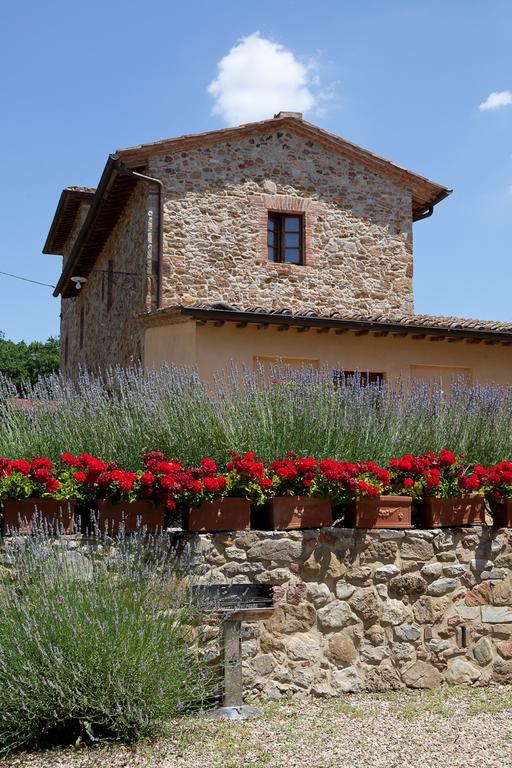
[78, 280]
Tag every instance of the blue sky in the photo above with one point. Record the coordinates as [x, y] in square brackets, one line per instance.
[402, 78]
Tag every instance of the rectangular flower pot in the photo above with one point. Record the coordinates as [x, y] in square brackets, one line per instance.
[225, 514]
[379, 512]
[286, 513]
[502, 514]
[27, 515]
[130, 517]
[454, 511]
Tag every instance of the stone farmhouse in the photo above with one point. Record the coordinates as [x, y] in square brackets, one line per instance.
[270, 241]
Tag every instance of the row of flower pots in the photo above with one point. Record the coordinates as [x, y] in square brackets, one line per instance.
[278, 514]
[293, 492]
[23, 515]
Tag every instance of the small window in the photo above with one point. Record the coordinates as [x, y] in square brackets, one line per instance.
[65, 350]
[110, 284]
[81, 327]
[284, 238]
[364, 378]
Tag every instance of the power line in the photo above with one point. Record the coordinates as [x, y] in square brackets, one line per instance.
[27, 279]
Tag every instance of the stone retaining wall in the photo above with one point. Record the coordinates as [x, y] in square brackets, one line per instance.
[369, 610]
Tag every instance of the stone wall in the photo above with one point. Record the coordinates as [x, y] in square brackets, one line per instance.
[369, 610]
[358, 228]
[111, 336]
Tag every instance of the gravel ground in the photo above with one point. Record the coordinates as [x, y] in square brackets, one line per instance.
[449, 728]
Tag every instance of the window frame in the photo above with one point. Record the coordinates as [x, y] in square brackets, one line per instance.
[366, 377]
[110, 284]
[279, 247]
[81, 328]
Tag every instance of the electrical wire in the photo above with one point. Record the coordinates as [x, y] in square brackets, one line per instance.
[27, 279]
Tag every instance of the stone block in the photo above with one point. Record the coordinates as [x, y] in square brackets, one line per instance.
[395, 612]
[335, 615]
[318, 594]
[379, 551]
[407, 632]
[483, 651]
[442, 587]
[323, 564]
[302, 647]
[289, 618]
[341, 650]
[381, 678]
[496, 614]
[386, 572]
[346, 680]
[460, 671]
[422, 675]
[502, 671]
[432, 570]
[281, 550]
[410, 585]
[344, 590]
[416, 549]
[366, 603]
[430, 610]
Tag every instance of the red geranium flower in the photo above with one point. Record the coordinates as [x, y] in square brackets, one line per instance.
[18, 465]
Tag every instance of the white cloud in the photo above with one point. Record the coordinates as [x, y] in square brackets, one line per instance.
[496, 99]
[259, 77]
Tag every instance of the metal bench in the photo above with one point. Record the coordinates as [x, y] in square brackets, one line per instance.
[234, 603]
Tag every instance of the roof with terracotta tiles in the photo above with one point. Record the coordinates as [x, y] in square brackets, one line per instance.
[425, 193]
[398, 323]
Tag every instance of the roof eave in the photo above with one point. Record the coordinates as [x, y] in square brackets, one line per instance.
[106, 179]
[49, 248]
[271, 318]
[431, 192]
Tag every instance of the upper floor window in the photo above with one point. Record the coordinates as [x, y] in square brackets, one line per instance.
[285, 238]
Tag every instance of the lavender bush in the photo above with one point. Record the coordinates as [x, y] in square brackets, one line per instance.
[125, 412]
[94, 642]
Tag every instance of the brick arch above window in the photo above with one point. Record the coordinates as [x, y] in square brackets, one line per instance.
[307, 208]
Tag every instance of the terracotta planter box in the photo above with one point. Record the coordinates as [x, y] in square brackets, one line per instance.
[226, 514]
[455, 511]
[285, 513]
[502, 514]
[379, 512]
[26, 515]
[143, 516]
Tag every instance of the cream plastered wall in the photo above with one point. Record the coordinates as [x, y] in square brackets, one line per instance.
[174, 343]
[211, 348]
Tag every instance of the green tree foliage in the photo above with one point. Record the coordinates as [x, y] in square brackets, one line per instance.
[22, 362]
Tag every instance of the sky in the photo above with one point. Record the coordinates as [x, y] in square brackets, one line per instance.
[425, 84]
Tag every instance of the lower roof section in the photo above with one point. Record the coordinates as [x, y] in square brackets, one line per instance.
[417, 326]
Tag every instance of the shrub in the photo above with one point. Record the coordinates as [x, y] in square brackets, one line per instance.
[126, 412]
[95, 646]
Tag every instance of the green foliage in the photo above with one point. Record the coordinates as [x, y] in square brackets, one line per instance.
[16, 486]
[94, 646]
[21, 362]
[128, 411]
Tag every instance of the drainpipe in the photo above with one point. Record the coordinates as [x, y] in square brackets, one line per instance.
[425, 214]
[123, 170]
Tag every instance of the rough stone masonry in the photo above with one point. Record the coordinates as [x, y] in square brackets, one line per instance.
[368, 610]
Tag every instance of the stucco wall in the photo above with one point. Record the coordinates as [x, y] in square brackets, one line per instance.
[358, 227]
[111, 336]
[216, 347]
[369, 610]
